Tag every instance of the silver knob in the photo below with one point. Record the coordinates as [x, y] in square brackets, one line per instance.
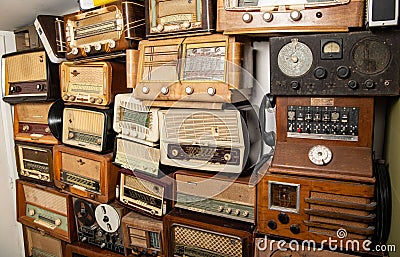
[211, 91]
[103, 245]
[227, 157]
[87, 49]
[175, 152]
[164, 90]
[247, 17]
[160, 27]
[295, 15]
[186, 24]
[97, 47]
[65, 97]
[57, 222]
[237, 212]
[74, 51]
[220, 208]
[189, 90]
[31, 212]
[268, 16]
[92, 100]
[71, 98]
[84, 239]
[245, 214]
[112, 44]
[229, 210]
[145, 90]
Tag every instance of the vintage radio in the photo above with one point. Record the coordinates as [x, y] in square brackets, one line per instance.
[312, 208]
[133, 120]
[100, 224]
[196, 234]
[30, 77]
[325, 137]
[143, 235]
[150, 196]
[262, 16]
[35, 162]
[85, 174]
[113, 28]
[358, 63]
[88, 128]
[137, 157]
[203, 68]
[276, 247]
[79, 249]
[38, 243]
[382, 13]
[30, 123]
[224, 196]
[180, 18]
[212, 140]
[46, 209]
[92, 83]
[27, 38]
[49, 28]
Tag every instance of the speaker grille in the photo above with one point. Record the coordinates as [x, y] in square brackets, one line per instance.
[26, 67]
[46, 199]
[84, 121]
[144, 186]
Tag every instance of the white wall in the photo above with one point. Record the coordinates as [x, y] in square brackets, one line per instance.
[11, 243]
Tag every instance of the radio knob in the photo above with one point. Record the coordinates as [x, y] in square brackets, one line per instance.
[320, 73]
[160, 27]
[12, 89]
[27, 173]
[295, 15]
[295, 85]
[247, 17]
[145, 90]
[99, 101]
[47, 130]
[31, 212]
[175, 152]
[268, 16]
[237, 212]
[65, 97]
[71, 98]
[186, 24]
[369, 83]
[295, 229]
[119, 130]
[211, 91]
[189, 90]
[57, 222]
[228, 211]
[70, 135]
[97, 47]
[92, 100]
[272, 224]
[245, 214]
[343, 72]
[283, 218]
[220, 208]
[25, 128]
[84, 239]
[103, 245]
[40, 87]
[74, 51]
[352, 84]
[164, 90]
[100, 233]
[227, 157]
[87, 49]
[112, 44]
[98, 141]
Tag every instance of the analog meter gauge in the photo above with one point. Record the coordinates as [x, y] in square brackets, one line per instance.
[320, 155]
[295, 59]
[331, 49]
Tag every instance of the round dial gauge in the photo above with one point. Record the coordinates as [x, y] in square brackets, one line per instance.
[295, 59]
[287, 253]
[331, 47]
[320, 155]
[371, 56]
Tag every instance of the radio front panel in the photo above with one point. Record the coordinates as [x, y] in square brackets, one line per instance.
[179, 18]
[85, 174]
[354, 64]
[47, 209]
[35, 162]
[268, 17]
[93, 83]
[114, 27]
[216, 195]
[30, 123]
[38, 243]
[30, 77]
[308, 208]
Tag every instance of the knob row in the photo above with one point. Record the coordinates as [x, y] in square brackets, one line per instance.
[185, 25]
[236, 212]
[92, 100]
[189, 90]
[97, 47]
[40, 176]
[16, 89]
[352, 84]
[268, 16]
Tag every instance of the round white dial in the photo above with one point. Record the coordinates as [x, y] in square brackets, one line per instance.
[320, 155]
[295, 59]
[107, 218]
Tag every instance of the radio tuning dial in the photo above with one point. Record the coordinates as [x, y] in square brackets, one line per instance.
[57, 222]
[164, 90]
[211, 91]
[320, 155]
[268, 16]
[160, 27]
[97, 47]
[87, 49]
[145, 90]
[31, 212]
[247, 17]
[295, 15]
[295, 58]
[74, 51]
[186, 24]
[189, 90]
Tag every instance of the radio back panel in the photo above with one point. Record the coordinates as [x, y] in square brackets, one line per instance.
[35, 162]
[100, 224]
[260, 16]
[39, 244]
[143, 235]
[134, 121]
[192, 234]
[356, 63]
[30, 77]
[216, 195]
[112, 28]
[148, 195]
[204, 68]
[30, 123]
[309, 208]
[93, 83]
[88, 128]
[85, 174]
[45, 208]
[179, 18]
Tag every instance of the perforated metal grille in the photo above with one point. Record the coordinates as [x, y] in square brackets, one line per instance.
[210, 241]
[45, 199]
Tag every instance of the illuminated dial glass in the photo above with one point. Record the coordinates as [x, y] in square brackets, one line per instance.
[331, 47]
[283, 196]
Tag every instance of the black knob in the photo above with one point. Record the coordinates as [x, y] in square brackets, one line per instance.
[272, 224]
[283, 218]
[352, 84]
[295, 85]
[40, 87]
[135, 249]
[343, 72]
[320, 72]
[369, 83]
[295, 229]
[13, 89]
